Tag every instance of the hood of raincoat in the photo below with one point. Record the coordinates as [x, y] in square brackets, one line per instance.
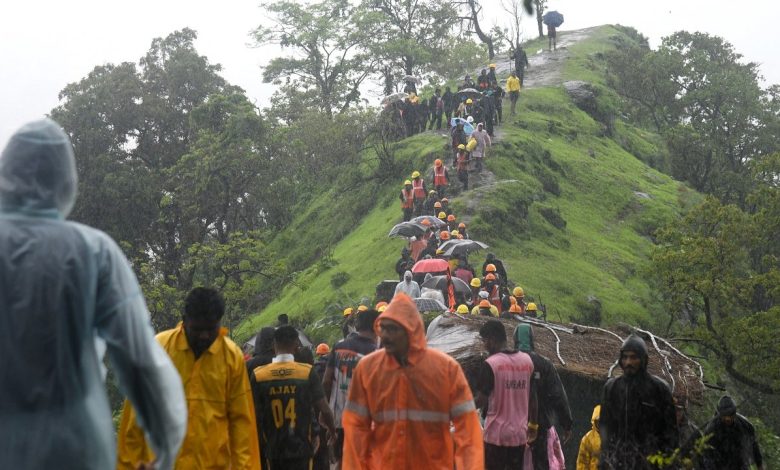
[38, 171]
[524, 338]
[408, 276]
[636, 344]
[726, 406]
[403, 310]
[595, 417]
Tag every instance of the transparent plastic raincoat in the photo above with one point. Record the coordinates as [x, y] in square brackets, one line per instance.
[64, 287]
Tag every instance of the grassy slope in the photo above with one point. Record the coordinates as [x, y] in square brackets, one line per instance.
[588, 180]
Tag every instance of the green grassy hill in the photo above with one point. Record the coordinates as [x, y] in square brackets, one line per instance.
[571, 212]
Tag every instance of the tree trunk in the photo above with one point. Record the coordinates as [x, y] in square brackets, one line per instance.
[481, 34]
[539, 13]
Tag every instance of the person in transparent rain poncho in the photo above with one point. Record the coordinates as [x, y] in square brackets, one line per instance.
[67, 293]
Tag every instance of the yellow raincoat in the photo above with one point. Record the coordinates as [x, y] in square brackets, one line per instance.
[513, 84]
[399, 417]
[590, 446]
[221, 430]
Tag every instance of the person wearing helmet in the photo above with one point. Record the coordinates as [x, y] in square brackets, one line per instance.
[462, 230]
[407, 200]
[637, 412]
[444, 236]
[418, 186]
[440, 177]
[483, 142]
[485, 308]
[482, 80]
[463, 309]
[490, 285]
[530, 310]
[462, 166]
[519, 295]
[481, 297]
[445, 206]
[499, 265]
[442, 216]
[437, 209]
[429, 205]
[491, 75]
[476, 286]
[322, 352]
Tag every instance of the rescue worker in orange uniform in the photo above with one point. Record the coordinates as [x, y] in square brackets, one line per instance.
[402, 400]
[407, 200]
[440, 177]
[418, 185]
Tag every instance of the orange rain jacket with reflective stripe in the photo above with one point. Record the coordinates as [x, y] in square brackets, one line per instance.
[399, 417]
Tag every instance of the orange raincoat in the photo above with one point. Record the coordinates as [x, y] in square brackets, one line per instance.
[399, 417]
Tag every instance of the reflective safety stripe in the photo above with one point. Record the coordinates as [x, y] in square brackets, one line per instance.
[356, 408]
[462, 408]
[410, 415]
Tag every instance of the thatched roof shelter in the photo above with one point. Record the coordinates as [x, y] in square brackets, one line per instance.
[584, 356]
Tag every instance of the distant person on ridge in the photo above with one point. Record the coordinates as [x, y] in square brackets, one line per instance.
[407, 200]
[551, 35]
[513, 87]
[521, 62]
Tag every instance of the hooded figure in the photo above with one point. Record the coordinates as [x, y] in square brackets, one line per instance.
[68, 291]
[637, 412]
[590, 446]
[408, 286]
[553, 401]
[733, 444]
[402, 399]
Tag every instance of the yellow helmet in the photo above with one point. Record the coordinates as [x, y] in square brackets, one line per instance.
[462, 308]
[518, 292]
[442, 215]
[461, 147]
[362, 308]
[469, 101]
[454, 233]
[348, 311]
[531, 307]
[475, 282]
[407, 182]
[439, 252]
[415, 174]
[492, 66]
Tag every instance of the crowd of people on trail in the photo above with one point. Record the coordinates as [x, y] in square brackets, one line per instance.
[380, 398]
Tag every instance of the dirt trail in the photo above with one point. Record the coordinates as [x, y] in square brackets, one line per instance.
[545, 69]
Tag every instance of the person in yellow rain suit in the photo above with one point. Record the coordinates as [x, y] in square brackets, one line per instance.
[402, 400]
[590, 446]
[221, 429]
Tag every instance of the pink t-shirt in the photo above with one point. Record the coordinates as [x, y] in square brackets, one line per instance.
[507, 415]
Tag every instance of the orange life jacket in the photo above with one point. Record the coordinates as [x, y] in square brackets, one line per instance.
[439, 178]
[419, 188]
[408, 201]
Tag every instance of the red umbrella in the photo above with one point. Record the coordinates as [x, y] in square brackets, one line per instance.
[433, 265]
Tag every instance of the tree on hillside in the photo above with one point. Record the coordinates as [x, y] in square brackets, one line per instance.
[327, 48]
[539, 7]
[409, 35]
[169, 156]
[706, 102]
[720, 267]
[472, 18]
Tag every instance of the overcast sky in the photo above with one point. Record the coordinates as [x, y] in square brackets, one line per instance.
[46, 44]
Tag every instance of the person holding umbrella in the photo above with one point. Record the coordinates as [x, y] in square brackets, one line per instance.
[551, 35]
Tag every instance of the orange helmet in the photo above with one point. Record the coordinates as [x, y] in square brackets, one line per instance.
[461, 225]
[490, 277]
[484, 303]
[322, 349]
[444, 235]
[425, 222]
[437, 205]
[437, 162]
[514, 308]
[381, 306]
[451, 218]
[491, 268]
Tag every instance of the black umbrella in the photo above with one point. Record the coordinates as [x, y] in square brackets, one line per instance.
[440, 283]
[461, 247]
[407, 229]
[470, 93]
[435, 221]
[552, 18]
[429, 305]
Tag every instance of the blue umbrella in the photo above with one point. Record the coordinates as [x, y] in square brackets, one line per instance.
[552, 18]
[468, 128]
